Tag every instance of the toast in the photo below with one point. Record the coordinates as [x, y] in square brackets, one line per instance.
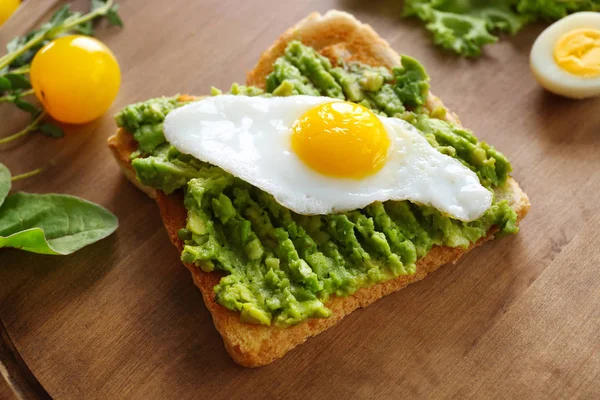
[335, 35]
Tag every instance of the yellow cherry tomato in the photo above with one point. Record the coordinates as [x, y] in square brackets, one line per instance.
[7, 8]
[76, 78]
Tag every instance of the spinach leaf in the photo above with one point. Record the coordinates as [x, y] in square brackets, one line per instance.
[4, 182]
[52, 223]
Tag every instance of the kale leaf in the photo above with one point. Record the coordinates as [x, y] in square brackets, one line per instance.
[465, 26]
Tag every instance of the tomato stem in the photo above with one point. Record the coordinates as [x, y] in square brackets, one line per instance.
[9, 98]
[83, 19]
[27, 174]
[29, 128]
[8, 58]
[21, 70]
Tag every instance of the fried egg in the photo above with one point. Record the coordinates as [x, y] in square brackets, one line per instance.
[565, 58]
[317, 155]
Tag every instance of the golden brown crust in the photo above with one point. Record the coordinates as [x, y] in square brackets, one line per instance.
[335, 35]
[122, 144]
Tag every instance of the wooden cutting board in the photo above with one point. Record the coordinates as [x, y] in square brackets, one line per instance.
[516, 318]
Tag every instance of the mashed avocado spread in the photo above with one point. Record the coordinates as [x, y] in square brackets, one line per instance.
[280, 267]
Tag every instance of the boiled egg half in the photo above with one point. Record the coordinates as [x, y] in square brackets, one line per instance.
[565, 58]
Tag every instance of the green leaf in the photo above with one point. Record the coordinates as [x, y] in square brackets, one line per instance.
[86, 28]
[5, 183]
[5, 84]
[60, 15]
[96, 4]
[18, 81]
[17, 43]
[552, 9]
[14, 44]
[51, 130]
[26, 106]
[461, 33]
[113, 17]
[52, 223]
[55, 28]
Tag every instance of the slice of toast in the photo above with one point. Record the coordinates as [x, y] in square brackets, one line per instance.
[335, 35]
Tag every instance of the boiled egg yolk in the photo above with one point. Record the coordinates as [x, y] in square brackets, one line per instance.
[578, 52]
[341, 139]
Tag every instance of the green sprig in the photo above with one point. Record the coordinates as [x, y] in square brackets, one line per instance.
[11, 98]
[15, 65]
[26, 175]
[33, 125]
[22, 49]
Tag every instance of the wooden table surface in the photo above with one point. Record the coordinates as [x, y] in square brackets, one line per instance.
[516, 318]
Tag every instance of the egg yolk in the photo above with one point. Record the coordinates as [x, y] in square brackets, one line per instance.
[578, 52]
[340, 139]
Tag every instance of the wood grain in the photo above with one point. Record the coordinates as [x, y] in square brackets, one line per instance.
[17, 376]
[517, 318]
[5, 391]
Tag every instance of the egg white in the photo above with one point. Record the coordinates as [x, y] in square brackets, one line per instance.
[545, 68]
[250, 137]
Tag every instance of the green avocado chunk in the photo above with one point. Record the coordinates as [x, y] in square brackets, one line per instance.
[280, 267]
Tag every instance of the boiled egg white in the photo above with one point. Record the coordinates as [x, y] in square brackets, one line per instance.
[565, 58]
[317, 155]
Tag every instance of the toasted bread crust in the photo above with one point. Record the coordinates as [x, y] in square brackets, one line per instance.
[335, 35]
[122, 145]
